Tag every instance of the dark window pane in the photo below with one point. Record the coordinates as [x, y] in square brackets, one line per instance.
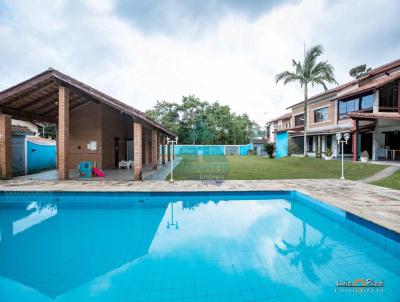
[299, 120]
[388, 95]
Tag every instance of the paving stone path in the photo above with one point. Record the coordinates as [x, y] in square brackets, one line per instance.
[389, 171]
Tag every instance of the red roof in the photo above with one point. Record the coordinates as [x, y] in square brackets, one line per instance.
[374, 116]
[371, 86]
[370, 74]
[282, 117]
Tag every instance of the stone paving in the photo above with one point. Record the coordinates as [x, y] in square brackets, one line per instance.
[389, 171]
[377, 204]
[111, 174]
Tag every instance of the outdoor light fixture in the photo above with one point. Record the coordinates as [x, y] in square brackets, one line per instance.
[172, 223]
[341, 139]
[172, 142]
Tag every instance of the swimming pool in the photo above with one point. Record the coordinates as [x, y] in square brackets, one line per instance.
[219, 246]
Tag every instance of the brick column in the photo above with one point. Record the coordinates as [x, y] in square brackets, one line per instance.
[57, 157]
[154, 149]
[63, 131]
[168, 153]
[5, 146]
[137, 151]
[163, 149]
[158, 147]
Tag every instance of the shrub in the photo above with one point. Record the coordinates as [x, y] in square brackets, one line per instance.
[328, 152]
[295, 149]
[270, 149]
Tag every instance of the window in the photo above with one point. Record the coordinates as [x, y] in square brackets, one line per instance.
[364, 103]
[367, 102]
[388, 95]
[299, 120]
[321, 115]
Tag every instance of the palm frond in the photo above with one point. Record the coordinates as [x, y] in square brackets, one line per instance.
[286, 76]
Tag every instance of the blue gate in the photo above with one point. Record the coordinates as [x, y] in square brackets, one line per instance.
[40, 157]
[282, 144]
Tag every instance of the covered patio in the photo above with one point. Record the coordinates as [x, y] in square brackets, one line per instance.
[378, 133]
[90, 126]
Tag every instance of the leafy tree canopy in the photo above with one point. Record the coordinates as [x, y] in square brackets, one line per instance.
[200, 122]
[359, 71]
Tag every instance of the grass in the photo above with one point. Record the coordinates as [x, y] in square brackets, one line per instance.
[392, 181]
[254, 167]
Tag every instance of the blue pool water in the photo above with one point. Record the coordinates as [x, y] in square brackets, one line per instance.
[264, 246]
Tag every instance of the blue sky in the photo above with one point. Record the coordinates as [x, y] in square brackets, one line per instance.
[227, 50]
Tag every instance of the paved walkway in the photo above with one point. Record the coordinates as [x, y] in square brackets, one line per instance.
[111, 174]
[377, 204]
[389, 171]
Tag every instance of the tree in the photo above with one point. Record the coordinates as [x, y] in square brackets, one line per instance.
[309, 72]
[200, 122]
[359, 71]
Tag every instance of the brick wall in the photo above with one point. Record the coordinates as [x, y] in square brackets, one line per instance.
[114, 125]
[321, 104]
[5, 146]
[85, 126]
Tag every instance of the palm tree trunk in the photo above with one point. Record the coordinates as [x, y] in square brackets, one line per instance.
[305, 118]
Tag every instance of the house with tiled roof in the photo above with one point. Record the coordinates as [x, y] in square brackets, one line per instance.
[367, 108]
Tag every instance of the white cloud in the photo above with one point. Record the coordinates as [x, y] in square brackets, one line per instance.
[233, 60]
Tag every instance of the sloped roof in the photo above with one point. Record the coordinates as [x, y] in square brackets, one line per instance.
[373, 72]
[35, 99]
[374, 116]
[282, 117]
[371, 86]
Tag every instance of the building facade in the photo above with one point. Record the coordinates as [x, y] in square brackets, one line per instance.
[90, 125]
[368, 108]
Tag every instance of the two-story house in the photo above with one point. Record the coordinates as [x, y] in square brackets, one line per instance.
[367, 108]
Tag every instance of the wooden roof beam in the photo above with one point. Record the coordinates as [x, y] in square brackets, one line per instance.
[44, 98]
[25, 115]
[29, 90]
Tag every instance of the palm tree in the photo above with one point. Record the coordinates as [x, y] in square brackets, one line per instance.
[309, 72]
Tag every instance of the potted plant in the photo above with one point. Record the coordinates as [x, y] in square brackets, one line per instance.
[270, 149]
[364, 156]
[328, 154]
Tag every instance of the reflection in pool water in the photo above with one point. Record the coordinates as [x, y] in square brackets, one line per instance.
[181, 248]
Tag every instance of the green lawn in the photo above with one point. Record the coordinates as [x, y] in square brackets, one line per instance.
[392, 182]
[254, 167]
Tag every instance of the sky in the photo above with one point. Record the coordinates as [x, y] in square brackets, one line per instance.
[227, 51]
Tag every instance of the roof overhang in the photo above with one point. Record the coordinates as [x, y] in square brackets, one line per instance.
[36, 99]
[374, 116]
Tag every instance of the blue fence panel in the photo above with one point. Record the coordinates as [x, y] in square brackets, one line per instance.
[208, 149]
[40, 157]
[244, 150]
[282, 144]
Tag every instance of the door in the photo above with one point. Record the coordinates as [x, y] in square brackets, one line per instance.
[116, 151]
[366, 143]
[18, 155]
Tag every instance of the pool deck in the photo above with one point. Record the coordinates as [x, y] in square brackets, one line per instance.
[376, 204]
